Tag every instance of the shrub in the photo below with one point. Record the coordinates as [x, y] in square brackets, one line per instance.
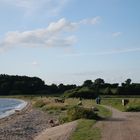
[53, 107]
[134, 108]
[64, 119]
[77, 112]
[39, 103]
[84, 92]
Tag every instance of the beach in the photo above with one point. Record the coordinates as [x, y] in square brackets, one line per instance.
[24, 125]
[8, 106]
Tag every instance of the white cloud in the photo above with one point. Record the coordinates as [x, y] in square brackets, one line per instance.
[93, 21]
[116, 34]
[52, 7]
[55, 35]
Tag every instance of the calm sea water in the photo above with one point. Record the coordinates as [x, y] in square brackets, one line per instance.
[8, 106]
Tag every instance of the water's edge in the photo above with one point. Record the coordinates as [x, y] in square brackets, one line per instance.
[19, 107]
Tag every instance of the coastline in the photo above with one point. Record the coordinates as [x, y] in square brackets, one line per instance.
[17, 113]
[16, 109]
[24, 124]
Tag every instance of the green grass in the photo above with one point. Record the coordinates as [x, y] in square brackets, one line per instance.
[133, 105]
[116, 103]
[86, 131]
[103, 112]
[120, 96]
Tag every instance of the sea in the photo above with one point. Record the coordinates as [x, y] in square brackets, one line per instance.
[9, 106]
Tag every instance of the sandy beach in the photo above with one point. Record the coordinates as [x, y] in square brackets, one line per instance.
[24, 125]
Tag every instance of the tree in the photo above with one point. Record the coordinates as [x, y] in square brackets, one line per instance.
[128, 82]
[99, 81]
[88, 83]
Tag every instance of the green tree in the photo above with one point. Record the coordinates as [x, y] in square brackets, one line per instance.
[88, 83]
[99, 81]
[128, 82]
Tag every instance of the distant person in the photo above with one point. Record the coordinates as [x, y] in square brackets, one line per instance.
[98, 100]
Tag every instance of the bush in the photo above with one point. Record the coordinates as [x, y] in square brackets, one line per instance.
[77, 112]
[84, 92]
[64, 119]
[135, 108]
[39, 103]
[53, 107]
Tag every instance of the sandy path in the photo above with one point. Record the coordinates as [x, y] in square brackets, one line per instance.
[61, 132]
[122, 126]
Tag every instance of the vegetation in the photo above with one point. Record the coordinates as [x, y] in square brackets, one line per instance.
[114, 102]
[24, 85]
[132, 106]
[81, 92]
[91, 89]
[69, 110]
[77, 112]
[86, 131]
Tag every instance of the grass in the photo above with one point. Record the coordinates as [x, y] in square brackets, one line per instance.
[86, 131]
[116, 103]
[133, 105]
[103, 112]
[120, 96]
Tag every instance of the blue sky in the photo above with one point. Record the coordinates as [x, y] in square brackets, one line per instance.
[69, 41]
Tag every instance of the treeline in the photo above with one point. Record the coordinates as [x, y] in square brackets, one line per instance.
[24, 85]
[91, 89]
[21, 85]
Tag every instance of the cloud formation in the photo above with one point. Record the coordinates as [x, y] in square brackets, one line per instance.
[55, 35]
[52, 7]
[93, 21]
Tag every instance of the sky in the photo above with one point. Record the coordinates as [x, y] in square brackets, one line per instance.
[70, 41]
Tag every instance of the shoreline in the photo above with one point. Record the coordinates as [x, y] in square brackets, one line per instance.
[16, 109]
[16, 113]
[25, 124]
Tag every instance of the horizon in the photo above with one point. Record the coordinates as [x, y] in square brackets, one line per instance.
[70, 41]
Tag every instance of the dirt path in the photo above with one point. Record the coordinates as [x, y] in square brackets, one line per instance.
[122, 126]
[61, 132]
